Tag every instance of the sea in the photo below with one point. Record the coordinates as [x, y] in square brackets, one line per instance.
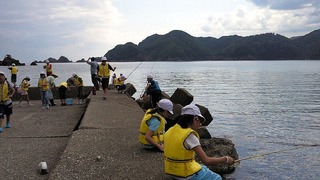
[269, 109]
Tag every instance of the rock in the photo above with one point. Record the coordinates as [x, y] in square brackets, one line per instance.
[181, 96]
[34, 63]
[130, 89]
[206, 114]
[217, 147]
[204, 133]
[8, 60]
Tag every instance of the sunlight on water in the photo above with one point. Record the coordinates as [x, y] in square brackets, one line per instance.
[262, 106]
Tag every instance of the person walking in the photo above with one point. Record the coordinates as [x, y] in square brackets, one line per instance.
[104, 73]
[79, 84]
[24, 87]
[14, 73]
[182, 143]
[93, 70]
[48, 67]
[152, 126]
[43, 84]
[153, 89]
[6, 92]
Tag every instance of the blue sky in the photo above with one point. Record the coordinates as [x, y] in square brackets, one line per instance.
[37, 29]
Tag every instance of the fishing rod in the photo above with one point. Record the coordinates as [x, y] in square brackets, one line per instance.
[134, 69]
[273, 152]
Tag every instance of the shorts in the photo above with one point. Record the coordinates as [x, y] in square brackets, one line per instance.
[62, 92]
[105, 82]
[5, 109]
[13, 78]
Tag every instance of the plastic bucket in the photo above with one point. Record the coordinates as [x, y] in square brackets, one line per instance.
[69, 101]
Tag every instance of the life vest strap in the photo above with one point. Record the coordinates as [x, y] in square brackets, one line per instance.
[178, 160]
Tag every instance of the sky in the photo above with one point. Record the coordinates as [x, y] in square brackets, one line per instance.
[36, 29]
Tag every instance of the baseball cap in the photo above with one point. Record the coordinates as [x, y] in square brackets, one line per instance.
[149, 76]
[42, 72]
[27, 77]
[192, 109]
[166, 104]
[13, 64]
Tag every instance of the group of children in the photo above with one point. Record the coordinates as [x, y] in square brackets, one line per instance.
[180, 143]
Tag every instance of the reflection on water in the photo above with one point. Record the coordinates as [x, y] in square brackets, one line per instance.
[261, 106]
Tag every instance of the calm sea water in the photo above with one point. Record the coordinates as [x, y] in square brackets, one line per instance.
[262, 106]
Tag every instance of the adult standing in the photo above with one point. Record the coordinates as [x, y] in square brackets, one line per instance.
[48, 67]
[6, 92]
[93, 70]
[152, 126]
[153, 89]
[104, 73]
[14, 73]
[182, 143]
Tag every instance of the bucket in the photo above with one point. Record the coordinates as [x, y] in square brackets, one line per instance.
[69, 101]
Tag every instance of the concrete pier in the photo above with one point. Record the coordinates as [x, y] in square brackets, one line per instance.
[96, 140]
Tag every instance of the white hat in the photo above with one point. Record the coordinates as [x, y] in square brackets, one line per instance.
[42, 72]
[46, 61]
[166, 104]
[103, 58]
[191, 109]
[149, 76]
[27, 77]
[13, 64]
[123, 76]
[1, 72]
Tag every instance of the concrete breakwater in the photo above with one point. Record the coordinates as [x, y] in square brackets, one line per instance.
[96, 140]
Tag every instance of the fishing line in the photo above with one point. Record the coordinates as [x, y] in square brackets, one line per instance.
[273, 152]
[134, 69]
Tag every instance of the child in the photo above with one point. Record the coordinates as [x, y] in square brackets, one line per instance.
[119, 84]
[181, 145]
[44, 87]
[62, 92]
[79, 84]
[24, 87]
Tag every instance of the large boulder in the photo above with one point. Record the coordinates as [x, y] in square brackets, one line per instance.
[130, 89]
[206, 114]
[181, 96]
[217, 147]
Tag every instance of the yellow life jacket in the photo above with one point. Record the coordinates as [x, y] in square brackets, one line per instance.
[78, 83]
[178, 160]
[118, 81]
[48, 67]
[104, 70]
[25, 85]
[158, 134]
[4, 91]
[43, 84]
[14, 70]
[65, 84]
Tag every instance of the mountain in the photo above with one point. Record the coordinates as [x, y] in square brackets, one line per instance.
[180, 46]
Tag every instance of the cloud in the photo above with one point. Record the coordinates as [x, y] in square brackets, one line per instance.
[63, 26]
[286, 4]
[248, 20]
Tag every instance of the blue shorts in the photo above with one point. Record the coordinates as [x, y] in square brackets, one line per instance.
[206, 173]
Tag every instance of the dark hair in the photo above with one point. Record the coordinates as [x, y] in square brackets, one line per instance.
[185, 120]
[157, 109]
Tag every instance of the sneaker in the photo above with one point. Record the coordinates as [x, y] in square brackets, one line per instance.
[1, 130]
[8, 125]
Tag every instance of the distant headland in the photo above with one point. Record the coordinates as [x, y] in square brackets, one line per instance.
[180, 46]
